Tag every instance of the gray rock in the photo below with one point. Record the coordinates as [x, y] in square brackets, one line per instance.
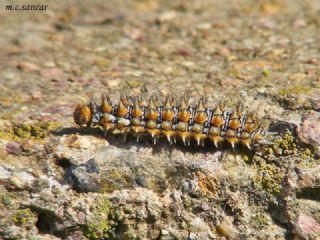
[85, 177]
[4, 174]
[288, 123]
[22, 180]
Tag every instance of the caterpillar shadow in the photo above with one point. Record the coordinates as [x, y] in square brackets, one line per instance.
[161, 145]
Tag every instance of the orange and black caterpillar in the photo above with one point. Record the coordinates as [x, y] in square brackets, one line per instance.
[173, 121]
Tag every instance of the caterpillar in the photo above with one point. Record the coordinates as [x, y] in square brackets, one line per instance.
[182, 120]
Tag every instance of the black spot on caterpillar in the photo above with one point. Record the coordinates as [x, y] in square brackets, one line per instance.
[181, 121]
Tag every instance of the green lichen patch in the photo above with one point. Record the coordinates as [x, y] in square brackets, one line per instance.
[8, 134]
[287, 146]
[246, 70]
[35, 131]
[268, 174]
[294, 90]
[260, 220]
[116, 179]
[268, 177]
[8, 115]
[246, 158]
[10, 101]
[134, 83]
[22, 216]
[99, 225]
[6, 200]
[102, 63]
[266, 72]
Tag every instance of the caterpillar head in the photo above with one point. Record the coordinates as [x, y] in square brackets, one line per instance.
[82, 115]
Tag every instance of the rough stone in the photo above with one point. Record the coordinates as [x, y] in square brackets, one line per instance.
[307, 225]
[4, 173]
[22, 180]
[309, 130]
[84, 177]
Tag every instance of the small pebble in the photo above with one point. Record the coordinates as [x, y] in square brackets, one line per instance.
[13, 148]
[51, 72]
[27, 66]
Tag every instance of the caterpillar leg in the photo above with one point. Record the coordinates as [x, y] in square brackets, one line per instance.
[124, 137]
[105, 134]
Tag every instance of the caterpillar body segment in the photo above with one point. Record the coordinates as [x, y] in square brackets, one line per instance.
[173, 120]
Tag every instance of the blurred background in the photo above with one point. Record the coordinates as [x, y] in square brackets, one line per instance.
[235, 49]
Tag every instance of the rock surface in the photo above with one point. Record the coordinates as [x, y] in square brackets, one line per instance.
[61, 182]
